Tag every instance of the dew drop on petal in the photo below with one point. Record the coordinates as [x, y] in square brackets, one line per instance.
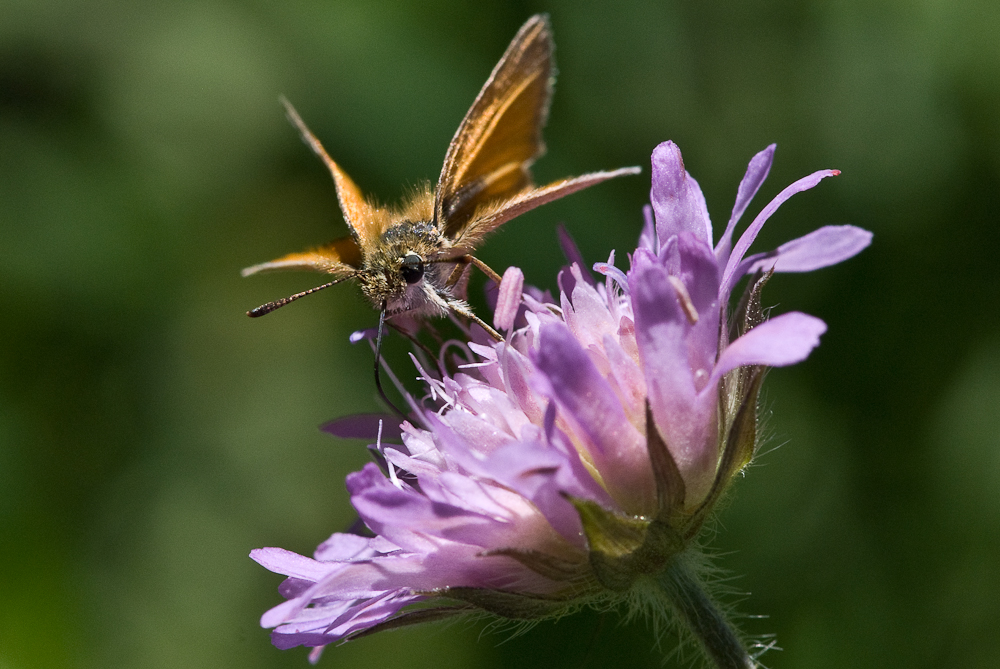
[700, 379]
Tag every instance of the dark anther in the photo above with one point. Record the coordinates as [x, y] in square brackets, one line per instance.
[413, 268]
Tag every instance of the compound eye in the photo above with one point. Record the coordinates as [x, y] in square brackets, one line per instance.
[412, 268]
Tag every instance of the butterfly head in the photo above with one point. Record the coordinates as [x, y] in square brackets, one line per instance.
[404, 269]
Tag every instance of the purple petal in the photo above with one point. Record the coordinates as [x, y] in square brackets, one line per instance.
[613, 273]
[284, 641]
[629, 379]
[587, 401]
[498, 408]
[755, 175]
[517, 372]
[324, 624]
[372, 578]
[475, 432]
[509, 298]
[781, 341]
[451, 564]
[485, 352]
[342, 546]
[367, 477]
[730, 277]
[282, 561]
[370, 613]
[827, 246]
[676, 197]
[566, 282]
[685, 420]
[642, 258]
[700, 276]
[487, 498]
[364, 426]
[361, 335]
[416, 523]
[661, 330]
[540, 473]
[647, 238]
[588, 317]
[293, 588]
[572, 252]
[282, 612]
[416, 466]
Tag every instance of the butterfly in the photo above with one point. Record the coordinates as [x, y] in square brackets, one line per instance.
[414, 259]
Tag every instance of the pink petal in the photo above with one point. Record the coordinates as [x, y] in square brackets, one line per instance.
[364, 426]
[572, 252]
[827, 246]
[647, 238]
[730, 276]
[755, 175]
[587, 401]
[282, 561]
[676, 197]
[509, 298]
[784, 340]
[685, 418]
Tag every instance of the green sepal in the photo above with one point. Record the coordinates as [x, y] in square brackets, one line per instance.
[623, 548]
[670, 488]
[512, 605]
[413, 617]
[738, 395]
[609, 532]
[748, 313]
[741, 440]
[547, 565]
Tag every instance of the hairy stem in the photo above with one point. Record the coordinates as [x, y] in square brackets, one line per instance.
[703, 618]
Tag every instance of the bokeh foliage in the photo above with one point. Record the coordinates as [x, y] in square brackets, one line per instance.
[151, 434]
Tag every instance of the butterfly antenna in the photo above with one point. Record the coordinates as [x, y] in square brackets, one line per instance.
[271, 306]
[378, 361]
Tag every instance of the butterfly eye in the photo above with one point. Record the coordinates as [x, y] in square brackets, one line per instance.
[412, 268]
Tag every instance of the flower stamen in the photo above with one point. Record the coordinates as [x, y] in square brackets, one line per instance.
[684, 297]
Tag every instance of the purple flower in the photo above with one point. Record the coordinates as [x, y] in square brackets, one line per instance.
[575, 462]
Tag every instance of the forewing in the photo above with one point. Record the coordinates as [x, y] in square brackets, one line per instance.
[490, 218]
[359, 215]
[501, 135]
[340, 257]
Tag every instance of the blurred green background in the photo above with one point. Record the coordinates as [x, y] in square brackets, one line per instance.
[151, 434]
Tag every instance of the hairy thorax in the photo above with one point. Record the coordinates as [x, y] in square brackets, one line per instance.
[384, 279]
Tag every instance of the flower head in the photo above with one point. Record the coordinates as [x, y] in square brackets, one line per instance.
[575, 461]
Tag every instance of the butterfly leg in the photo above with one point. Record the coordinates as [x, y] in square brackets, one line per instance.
[483, 267]
[447, 302]
[463, 309]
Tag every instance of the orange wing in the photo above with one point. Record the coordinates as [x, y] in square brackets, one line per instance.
[340, 257]
[361, 217]
[490, 218]
[500, 137]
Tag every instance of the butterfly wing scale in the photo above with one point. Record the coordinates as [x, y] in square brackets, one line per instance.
[491, 218]
[340, 258]
[490, 157]
[361, 217]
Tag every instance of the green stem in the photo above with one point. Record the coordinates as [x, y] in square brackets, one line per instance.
[708, 624]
